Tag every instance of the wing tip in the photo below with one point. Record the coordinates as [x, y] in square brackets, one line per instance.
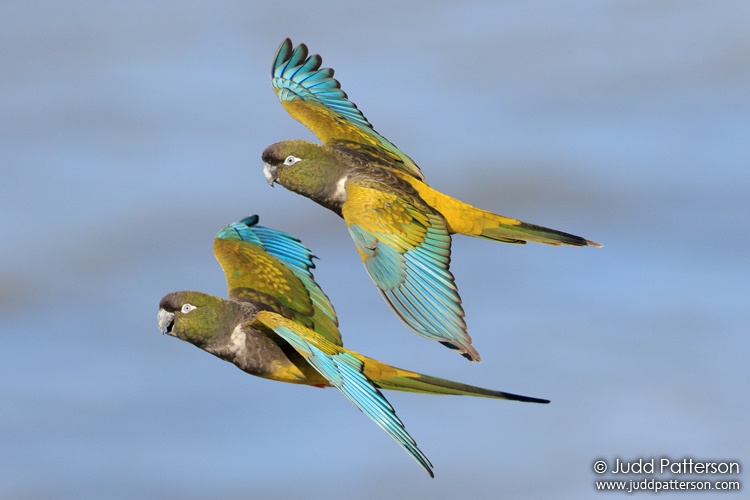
[282, 53]
[250, 220]
[287, 42]
[467, 351]
[430, 472]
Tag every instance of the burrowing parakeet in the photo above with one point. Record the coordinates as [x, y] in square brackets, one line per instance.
[401, 226]
[278, 324]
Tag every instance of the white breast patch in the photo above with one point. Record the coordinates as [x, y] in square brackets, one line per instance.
[238, 339]
[340, 194]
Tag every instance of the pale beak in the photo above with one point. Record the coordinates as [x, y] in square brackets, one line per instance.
[269, 171]
[166, 321]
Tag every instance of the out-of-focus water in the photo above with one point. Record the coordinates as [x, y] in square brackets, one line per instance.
[131, 133]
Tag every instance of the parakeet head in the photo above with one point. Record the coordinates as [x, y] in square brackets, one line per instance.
[308, 169]
[196, 317]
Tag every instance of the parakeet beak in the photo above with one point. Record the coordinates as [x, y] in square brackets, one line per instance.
[166, 321]
[270, 172]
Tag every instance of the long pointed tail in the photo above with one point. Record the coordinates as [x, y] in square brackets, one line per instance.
[496, 227]
[397, 379]
[465, 219]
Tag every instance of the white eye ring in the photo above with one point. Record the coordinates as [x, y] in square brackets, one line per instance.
[186, 308]
[291, 160]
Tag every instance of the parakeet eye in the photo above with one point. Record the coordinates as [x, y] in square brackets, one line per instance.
[186, 308]
[291, 160]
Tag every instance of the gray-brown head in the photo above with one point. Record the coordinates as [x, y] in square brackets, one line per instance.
[316, 172]
[201, 319]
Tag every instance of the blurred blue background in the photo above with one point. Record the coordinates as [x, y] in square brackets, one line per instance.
[131, 132]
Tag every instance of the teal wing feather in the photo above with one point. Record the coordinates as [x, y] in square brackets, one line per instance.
[345, 372]
[311, 95]
[411, 270]
[290, 252]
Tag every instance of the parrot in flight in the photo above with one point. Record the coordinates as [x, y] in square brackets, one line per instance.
[278, 324]
[401, 226]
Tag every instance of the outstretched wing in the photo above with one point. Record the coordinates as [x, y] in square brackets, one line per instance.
[312, 96]
[345, 372]
[273, 268]
[406, 251]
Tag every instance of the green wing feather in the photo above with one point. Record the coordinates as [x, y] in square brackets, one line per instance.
[273, 268]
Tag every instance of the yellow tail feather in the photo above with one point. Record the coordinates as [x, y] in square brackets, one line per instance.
[465, 219]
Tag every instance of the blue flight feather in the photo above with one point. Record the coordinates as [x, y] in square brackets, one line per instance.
[417, 283]
[345, 372]
[294, 75]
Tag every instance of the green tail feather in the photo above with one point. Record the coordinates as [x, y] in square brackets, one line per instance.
[432, 385]
[532, 232]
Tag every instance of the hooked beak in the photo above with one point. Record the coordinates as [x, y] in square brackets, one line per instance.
[269, 171]
[166, 321]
